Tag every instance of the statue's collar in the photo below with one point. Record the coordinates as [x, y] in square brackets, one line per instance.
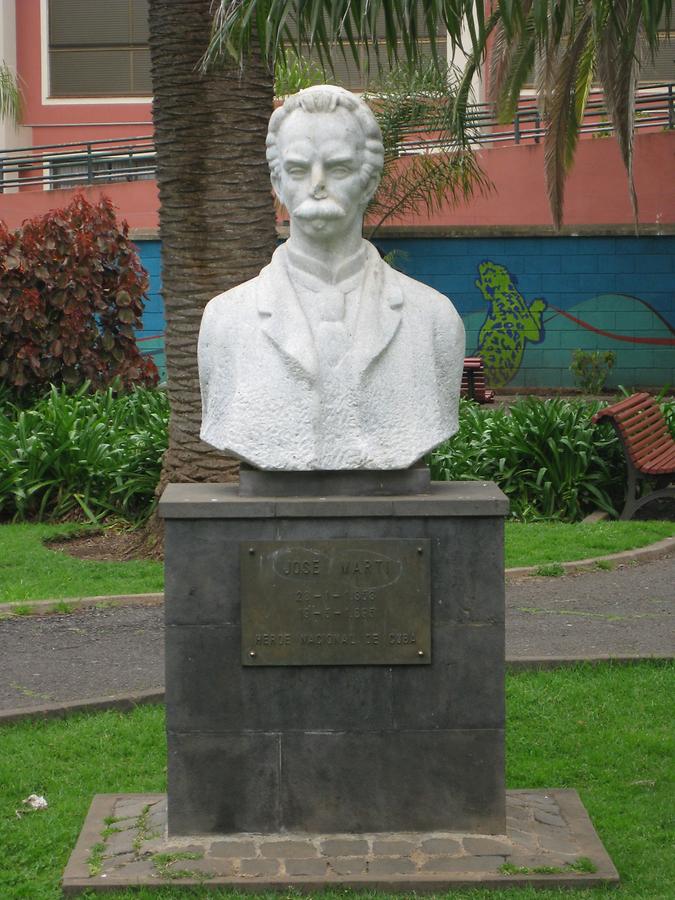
[325, 274]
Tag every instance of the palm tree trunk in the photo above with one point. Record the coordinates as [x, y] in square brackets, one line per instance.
[216, 212]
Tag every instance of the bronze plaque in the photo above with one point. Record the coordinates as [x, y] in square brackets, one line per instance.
[340, 602]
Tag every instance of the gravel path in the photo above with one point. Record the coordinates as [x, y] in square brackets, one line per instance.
[97, 652]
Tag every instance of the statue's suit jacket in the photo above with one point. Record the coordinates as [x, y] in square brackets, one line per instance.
[267, 399]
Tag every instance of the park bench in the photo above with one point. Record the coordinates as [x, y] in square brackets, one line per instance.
[647, 445]
[474, 385]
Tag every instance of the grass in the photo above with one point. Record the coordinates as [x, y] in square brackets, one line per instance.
[542, 543]
[30, 571]
[606, 731]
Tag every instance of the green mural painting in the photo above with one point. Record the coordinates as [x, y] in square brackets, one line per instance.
[510, 323]
[508, 334]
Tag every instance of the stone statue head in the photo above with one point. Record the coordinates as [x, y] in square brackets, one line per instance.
[325, 153]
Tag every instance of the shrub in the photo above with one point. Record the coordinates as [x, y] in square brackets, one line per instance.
[97, 454]
[591, 368]
[71, 293]
[547, 456]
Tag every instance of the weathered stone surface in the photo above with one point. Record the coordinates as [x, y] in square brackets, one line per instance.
[344, 847]
[547, 818]
[348, 865]
[432, 859]
[393, 848]
[328, 325]
[392, 866]
[259, 867]
[240, 735]
[478, 846]
[288, 849]
[306, 867]
[446, 846]
[237, 849]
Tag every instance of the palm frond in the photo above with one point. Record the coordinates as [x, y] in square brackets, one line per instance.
[324, 24]
[562, 124]
[10, 95]
[618, 64]
[421, 101]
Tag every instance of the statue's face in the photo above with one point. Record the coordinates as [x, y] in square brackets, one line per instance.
[321, 183]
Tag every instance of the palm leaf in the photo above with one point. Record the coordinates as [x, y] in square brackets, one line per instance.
[10, 95]
[562, 125]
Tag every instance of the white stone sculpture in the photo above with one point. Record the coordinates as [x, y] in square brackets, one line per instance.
[329, 359]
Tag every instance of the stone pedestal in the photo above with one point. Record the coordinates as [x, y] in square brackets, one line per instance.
[335, 748]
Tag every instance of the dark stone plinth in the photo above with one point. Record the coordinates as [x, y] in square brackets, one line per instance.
[124, 844]
[334, 748]
[363, 483]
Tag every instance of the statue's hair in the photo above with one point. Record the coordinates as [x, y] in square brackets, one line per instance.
[327, 98]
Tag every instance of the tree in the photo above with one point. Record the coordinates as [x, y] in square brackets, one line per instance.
[216, 214]
[570, 42]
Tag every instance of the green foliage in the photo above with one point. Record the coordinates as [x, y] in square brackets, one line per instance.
[293, 73]
[71, 294]
[546, 455]
[417, 103]
[94, 455]
[10, 95]
[591, 368]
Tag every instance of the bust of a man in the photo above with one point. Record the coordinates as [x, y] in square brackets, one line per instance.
[329, 359]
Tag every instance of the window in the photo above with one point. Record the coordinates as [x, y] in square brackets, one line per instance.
[99, 48]
[80, 168]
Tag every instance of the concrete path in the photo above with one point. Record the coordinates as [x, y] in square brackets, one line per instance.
[629, 611]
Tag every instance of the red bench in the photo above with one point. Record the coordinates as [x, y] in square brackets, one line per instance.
[474, 385]
[647, 444]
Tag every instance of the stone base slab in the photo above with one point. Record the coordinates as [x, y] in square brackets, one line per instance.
[550, 842]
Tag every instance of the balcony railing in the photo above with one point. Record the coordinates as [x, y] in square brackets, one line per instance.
[53, 166]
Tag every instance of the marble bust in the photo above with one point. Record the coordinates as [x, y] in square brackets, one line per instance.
[329, 359]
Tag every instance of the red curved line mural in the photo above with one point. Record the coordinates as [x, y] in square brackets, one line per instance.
[668, 342]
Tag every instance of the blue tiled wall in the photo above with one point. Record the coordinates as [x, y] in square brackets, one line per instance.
[624, 286]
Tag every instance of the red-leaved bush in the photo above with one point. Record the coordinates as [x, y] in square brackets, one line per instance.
[71, 293]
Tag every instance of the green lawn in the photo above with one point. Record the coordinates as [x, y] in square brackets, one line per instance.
[30, 571]
[530, 544]
[606, 731]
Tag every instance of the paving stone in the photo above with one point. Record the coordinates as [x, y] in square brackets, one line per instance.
[127, 808]
[205, 866]
[119, 842]
[350, 865]
[549, 818]
[232, 848]
[479, 846]
[478, 864]
[289, 849]
[391, 866]
[559, 843]
[139, 868]
[444, 846]
[259, 867]
[393, 848]
[439, 865]
[115, 862]
[526, 839]
[306, 866]
[344, 847]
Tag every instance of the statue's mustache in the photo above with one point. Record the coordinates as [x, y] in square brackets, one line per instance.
[319, 209]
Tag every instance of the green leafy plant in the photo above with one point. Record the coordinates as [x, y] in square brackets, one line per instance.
[591, 368]
[71, 294]
[546, 455]
[82, 454]
[293, 73]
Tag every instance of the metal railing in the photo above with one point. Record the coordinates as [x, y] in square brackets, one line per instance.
[111, 160]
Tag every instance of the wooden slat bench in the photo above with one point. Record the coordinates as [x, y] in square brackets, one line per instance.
[647, 444]
[474, 385]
